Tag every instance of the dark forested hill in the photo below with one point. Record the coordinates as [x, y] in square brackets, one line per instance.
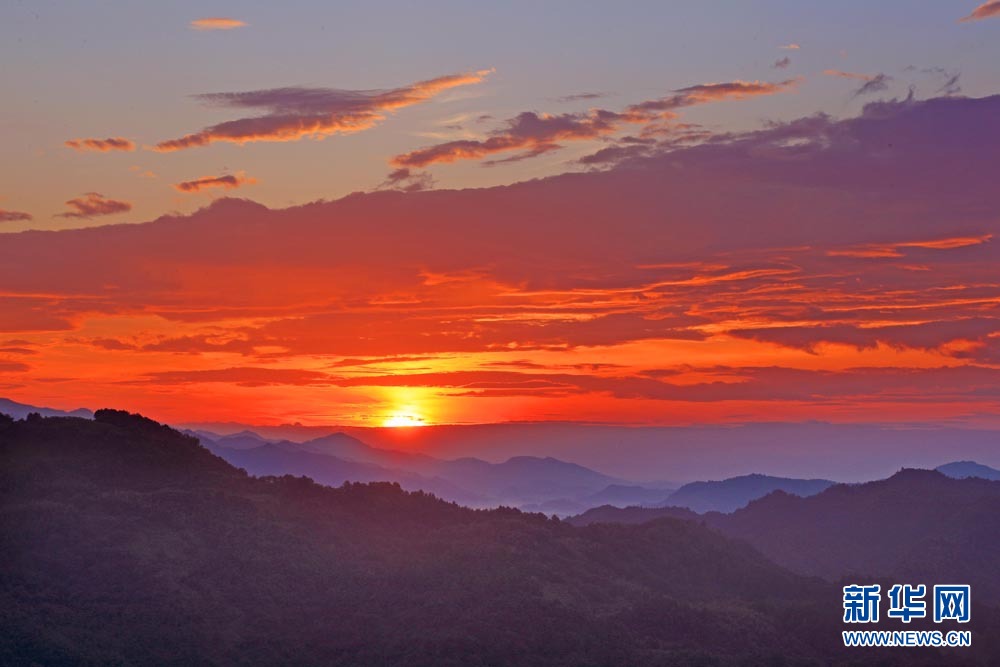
[917, 525]
[124, 542]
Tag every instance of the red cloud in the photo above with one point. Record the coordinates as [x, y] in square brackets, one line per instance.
[101, 145]
[227, 182]
[291, 114]
[983, 11]
[14, 216]
[94, 204]
[535, 134]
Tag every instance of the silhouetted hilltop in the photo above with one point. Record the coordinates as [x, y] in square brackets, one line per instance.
[963, 469]
[731, 494]
[917, 525]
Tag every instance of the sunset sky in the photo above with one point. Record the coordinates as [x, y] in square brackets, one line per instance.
[408, 213]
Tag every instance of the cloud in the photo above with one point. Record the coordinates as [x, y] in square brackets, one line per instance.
[216, 23]
[535, 134]
[227, 182]
[782, 63]
[94, 204]
[292, 114]
[101, 145]
[873, 83]
[983, 11]
[790, 47]
[240, 376]
[579, 97]
[14, 216]
[829, 268]
[407, 180]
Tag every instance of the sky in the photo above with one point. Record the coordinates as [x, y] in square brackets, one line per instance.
[432, 213]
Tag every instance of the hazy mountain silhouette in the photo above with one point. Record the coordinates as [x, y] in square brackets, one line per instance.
[126, 542]
[963, 469]
[918, 525]
[733, 493]
[630, 515]
[523, 481]
[20, 410]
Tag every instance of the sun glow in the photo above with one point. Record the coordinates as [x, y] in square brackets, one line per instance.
[400, 420]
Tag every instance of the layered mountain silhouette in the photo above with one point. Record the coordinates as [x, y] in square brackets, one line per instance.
[736, 492]
[22, 410]
[126, 542]
[918, 525]
[534, 483]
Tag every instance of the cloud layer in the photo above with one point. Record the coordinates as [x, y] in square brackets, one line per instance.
[101, 145]
[292, 114]
[815, 269]
[226, 182]
[534, 134]
[983, 11]
[94, 204]
[216, 23]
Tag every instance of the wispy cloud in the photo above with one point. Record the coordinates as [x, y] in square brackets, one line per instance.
[873, 83]
[983, 11]
[790, 47]
[782, 63]
[291, 114]
[538, 133]
[94, 204]
[579, 97]
[101, 145]
[14, 216]
[227, 182]
[407, 180]
[216, 23]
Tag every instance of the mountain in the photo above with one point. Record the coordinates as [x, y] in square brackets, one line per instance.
[284, 459]
[733, 493]
[963, 469]
[630, 515]
[917, 525]
[20, 410]
[623, 495]
[541, 484]
[126, 542]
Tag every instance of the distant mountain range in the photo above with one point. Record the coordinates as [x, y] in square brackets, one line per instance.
[20, 410]
[963, 469]
[537, 484]
[736, 492]
[126, 542]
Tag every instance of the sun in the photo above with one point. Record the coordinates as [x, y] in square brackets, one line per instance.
[399, 420]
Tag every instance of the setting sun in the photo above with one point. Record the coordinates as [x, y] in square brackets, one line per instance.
[403, 420]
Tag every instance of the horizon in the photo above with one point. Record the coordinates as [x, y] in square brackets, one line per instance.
[795, 226]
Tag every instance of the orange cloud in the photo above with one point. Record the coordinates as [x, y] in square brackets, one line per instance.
[790, 47]
[697, 283]
[216, 23]
[848, 75]
[227, 182]
[14, 216]
[983, 11]
[536, 134]
[101, 145]
[94, 204]
[892, 250]
[291, 114]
